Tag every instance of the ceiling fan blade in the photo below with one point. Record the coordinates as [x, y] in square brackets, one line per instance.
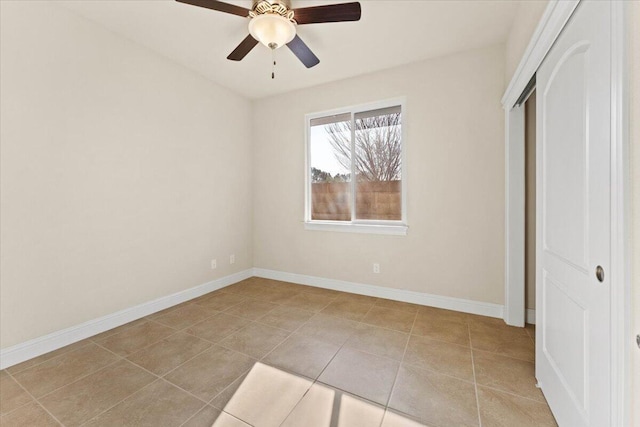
[303, 52]
[243, 48]
[219, 6]
[329, 13]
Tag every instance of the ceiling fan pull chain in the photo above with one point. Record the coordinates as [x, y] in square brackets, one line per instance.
[273, 68]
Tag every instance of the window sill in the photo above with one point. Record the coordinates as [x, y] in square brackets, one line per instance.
[397, 230]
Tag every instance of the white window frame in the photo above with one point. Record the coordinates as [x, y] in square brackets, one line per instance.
[358, 226]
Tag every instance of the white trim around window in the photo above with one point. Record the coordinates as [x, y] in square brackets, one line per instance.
[358, 226]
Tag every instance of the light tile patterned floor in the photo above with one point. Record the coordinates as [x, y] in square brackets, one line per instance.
[269, 353]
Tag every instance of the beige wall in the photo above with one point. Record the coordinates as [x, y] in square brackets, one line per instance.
[454, 177]
[524, 24]
[122, 174]
[530, 202]
[635, 189]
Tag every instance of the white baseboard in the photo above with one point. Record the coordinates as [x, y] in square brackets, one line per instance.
[19, 353]
[531, 316]
[449, 303]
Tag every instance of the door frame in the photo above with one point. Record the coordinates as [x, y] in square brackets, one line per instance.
[553, 20]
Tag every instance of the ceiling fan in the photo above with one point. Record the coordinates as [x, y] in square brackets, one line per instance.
[273, 23]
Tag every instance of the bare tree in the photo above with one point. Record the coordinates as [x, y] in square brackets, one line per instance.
[378, 149]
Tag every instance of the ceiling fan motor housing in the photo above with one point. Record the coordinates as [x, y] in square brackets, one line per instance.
[285, 3]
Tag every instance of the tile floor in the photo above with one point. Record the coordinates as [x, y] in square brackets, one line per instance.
[268, 353]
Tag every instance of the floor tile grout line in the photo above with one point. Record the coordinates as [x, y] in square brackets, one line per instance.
[254, 319]
[37, 402]
[175, 331]
[18, 407]
[219, 343]
[186, 361]
[119, 402]
[291, 333]
[182, 331]
[503, 355]
[409, 335]
[440, 341]
[114, 353]
[171, 309]
[361, 323]
[89, 341]
[404, 353]
[257, 321]
[525, 336]
[288, 336]
[374, 354]
[126, 327]
[345, 342]
[349, 393]
[12, 375]
[282, 329]
[226, 388]
[194, 414]
[361, 320]
[314, 380]
[438, 373]
[510, 393]
[190, 325]
[317, 379]
[207, 339]
[475, 382]
[157, 378]
[239, 419]
[237, 351]
[360, 350]
[341, 347]
[410, 417]
[120, 360]
[77, 379]
[176, 386]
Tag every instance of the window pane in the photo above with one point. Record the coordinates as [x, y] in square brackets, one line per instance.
[330, 159]
[378, 164]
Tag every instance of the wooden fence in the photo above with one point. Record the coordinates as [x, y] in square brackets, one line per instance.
[381, 200]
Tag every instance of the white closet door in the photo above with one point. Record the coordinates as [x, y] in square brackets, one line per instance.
[573, 225]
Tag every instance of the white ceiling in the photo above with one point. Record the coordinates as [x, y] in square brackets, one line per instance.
[390, 33]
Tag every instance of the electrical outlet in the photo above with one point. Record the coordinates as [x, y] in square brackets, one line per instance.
[232, 259]
[376, 268]
[214, 264]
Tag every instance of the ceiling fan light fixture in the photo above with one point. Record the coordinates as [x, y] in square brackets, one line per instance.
[272, 30]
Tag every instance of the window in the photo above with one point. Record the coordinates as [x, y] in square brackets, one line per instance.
[355, 170]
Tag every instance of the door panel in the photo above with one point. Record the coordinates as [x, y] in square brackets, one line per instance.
[566, 338]
[573, 158]
[565, 217]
